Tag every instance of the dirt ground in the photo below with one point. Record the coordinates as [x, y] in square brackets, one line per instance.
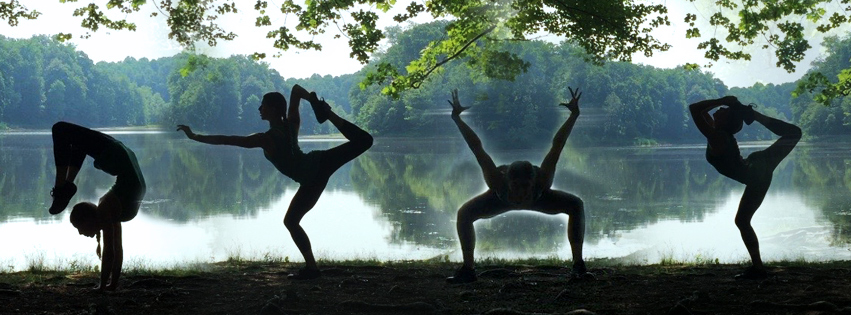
[413, 289]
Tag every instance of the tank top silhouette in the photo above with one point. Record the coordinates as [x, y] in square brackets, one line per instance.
[287, 156]
[730, 162]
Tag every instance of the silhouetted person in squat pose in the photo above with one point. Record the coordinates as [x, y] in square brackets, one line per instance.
[518, 186]
[755, 171]
[311, 170]
[71, 145]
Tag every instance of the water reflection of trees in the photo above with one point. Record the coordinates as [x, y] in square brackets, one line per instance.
[190, 180]
[23, 178]
[823, 176]
[419, 187]
[628, 188]
[186, 180]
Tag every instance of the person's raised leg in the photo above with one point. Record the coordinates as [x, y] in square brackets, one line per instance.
[304, 200]
[362, 139]
[789, 137]
[68, 159]
[336, 157]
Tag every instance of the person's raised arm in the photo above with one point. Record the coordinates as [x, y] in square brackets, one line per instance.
[548, 166]
[700, 113]
[296, 95]
[489, 170]
[257, 140]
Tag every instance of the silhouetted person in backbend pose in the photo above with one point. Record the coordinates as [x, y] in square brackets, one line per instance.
[311, 170]
[71, 145]
[755, 171]
[518, 186]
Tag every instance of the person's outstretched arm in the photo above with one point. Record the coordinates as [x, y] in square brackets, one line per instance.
[257, 140]
[548, 166]
[489, 170]
[700, 113]
[296, 95]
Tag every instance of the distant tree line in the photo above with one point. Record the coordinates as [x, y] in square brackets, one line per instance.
[44, 81]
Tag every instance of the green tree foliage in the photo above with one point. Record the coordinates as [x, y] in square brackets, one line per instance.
[13, 10]
[335, 90]
[45, 81]
[783, 26]
[623, 103]
[475, 30]
[605, 29]
[820, 120]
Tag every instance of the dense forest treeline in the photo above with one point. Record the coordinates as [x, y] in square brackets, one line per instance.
[44, 81]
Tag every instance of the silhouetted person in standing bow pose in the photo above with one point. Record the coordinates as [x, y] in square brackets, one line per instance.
[71, 145]
[311, 170]
[755, 171]
[518, 186]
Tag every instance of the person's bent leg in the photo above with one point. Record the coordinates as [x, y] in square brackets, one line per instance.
[576, 236]
[778, 127]
[482, 206]
[66, 155]
[68, 159]
[304, 200]
[751, 200]
[71, 144]
[362, 139]
[789, 137]
[359, 141]
[557, 202]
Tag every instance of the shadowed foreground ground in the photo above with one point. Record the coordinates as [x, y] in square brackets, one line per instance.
[419, 288]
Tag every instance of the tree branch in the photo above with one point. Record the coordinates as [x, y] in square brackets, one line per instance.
[455, 55]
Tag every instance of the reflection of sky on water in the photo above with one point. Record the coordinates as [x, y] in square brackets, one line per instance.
[399, 201]
[786, 227]
[342, 226]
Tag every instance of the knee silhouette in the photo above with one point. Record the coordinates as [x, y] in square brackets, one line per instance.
[743, 223]
[796, 133]
[59, 126]
[290, 223]
[465, 215]
[579, 208]
[366, 140]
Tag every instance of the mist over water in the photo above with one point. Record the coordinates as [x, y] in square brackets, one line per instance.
[399, 200]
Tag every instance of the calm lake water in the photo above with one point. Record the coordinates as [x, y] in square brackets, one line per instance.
[398, 201]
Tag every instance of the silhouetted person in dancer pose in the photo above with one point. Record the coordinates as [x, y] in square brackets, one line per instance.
[311, 170]
[755, 171]
[71, 145]
[518, 186]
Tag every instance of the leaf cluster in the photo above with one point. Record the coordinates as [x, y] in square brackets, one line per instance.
[606, 29]
[777, 24]
[13, 10]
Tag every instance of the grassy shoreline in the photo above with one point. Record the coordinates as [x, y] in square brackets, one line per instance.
[239, 264]
[515, 287]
